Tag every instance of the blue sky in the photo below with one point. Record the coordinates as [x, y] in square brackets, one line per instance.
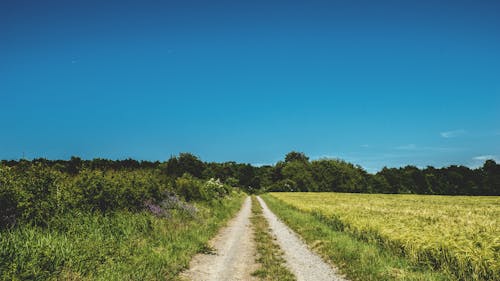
[377, 83]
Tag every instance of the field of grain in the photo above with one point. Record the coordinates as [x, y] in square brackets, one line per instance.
[459, 235]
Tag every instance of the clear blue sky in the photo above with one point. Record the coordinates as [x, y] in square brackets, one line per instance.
[377, 83]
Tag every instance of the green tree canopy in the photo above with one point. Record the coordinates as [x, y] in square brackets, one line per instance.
[296, 156]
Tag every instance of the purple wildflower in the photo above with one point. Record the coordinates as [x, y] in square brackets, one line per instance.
[156, 210]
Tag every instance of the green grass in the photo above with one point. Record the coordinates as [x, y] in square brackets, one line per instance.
[119, 246]
[269, 255]
[453, 234]
[357, 259]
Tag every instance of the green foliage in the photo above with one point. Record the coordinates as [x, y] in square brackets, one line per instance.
[355, 258]
[107, 191]
[340, 176]
[300, 173]
[317, 175]
[36, 193]
[452, 180]
[194, 189]
[232, 182]
[296, 156]
[82, 245]
[8, 198]
[30, 193]
[284, 185]
[215, 189]
[69, 220]
[184, 163]
[188, 187]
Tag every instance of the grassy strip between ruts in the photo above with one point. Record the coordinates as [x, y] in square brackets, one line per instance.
[269, 254]
[357, 259]
[119, 246]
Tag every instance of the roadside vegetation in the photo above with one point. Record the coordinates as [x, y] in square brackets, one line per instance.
[355, 258]
[269, 255]
[454, 235]
[97, 224]
[139, 220]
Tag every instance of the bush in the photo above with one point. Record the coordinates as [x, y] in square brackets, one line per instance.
[169, 204]
[188, 187]
[284, 185]
[214, 189]
[108, 191]
[194, 189]
[29, 194]
[8, 198]
[93, 191]
[36, 193]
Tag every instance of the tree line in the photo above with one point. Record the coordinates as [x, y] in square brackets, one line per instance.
[298, 173]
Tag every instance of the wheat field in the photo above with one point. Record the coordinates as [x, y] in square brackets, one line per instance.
[459, 235]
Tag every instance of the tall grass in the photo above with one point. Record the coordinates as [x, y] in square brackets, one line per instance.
[457, 235]
[122, 245]
[357, 259]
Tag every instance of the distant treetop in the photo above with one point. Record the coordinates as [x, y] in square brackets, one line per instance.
[296, 156]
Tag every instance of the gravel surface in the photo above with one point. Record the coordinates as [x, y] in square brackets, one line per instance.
[234, 257]
[306, 265]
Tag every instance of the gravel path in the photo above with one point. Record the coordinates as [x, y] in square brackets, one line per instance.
[305, 264]
[234, 257]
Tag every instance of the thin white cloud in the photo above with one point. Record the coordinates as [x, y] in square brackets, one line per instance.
[365, 145]
[478, 161]
[452, 134]
[415, 148]
[485, 157]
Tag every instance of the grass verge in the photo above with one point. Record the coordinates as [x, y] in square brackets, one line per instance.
[358, 260]
[269, 255]
[457, 235]
[118, 246]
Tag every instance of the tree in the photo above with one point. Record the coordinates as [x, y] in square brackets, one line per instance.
[338, 175]
[393, 177]
[284, 185]
[74, 165]
[300, 174]
[491, 181]
[246, 176]
[184, 163]
[296, 156]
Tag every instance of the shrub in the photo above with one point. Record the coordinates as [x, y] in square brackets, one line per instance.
[188, 187]
[194, 189]
[170, 203]
[214, 189]
[8, 198]
[108, 191]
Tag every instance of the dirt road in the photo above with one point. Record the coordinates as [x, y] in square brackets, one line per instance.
[234, 257]
[306, 265]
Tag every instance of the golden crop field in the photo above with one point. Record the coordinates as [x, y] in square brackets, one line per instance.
[456, 234]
